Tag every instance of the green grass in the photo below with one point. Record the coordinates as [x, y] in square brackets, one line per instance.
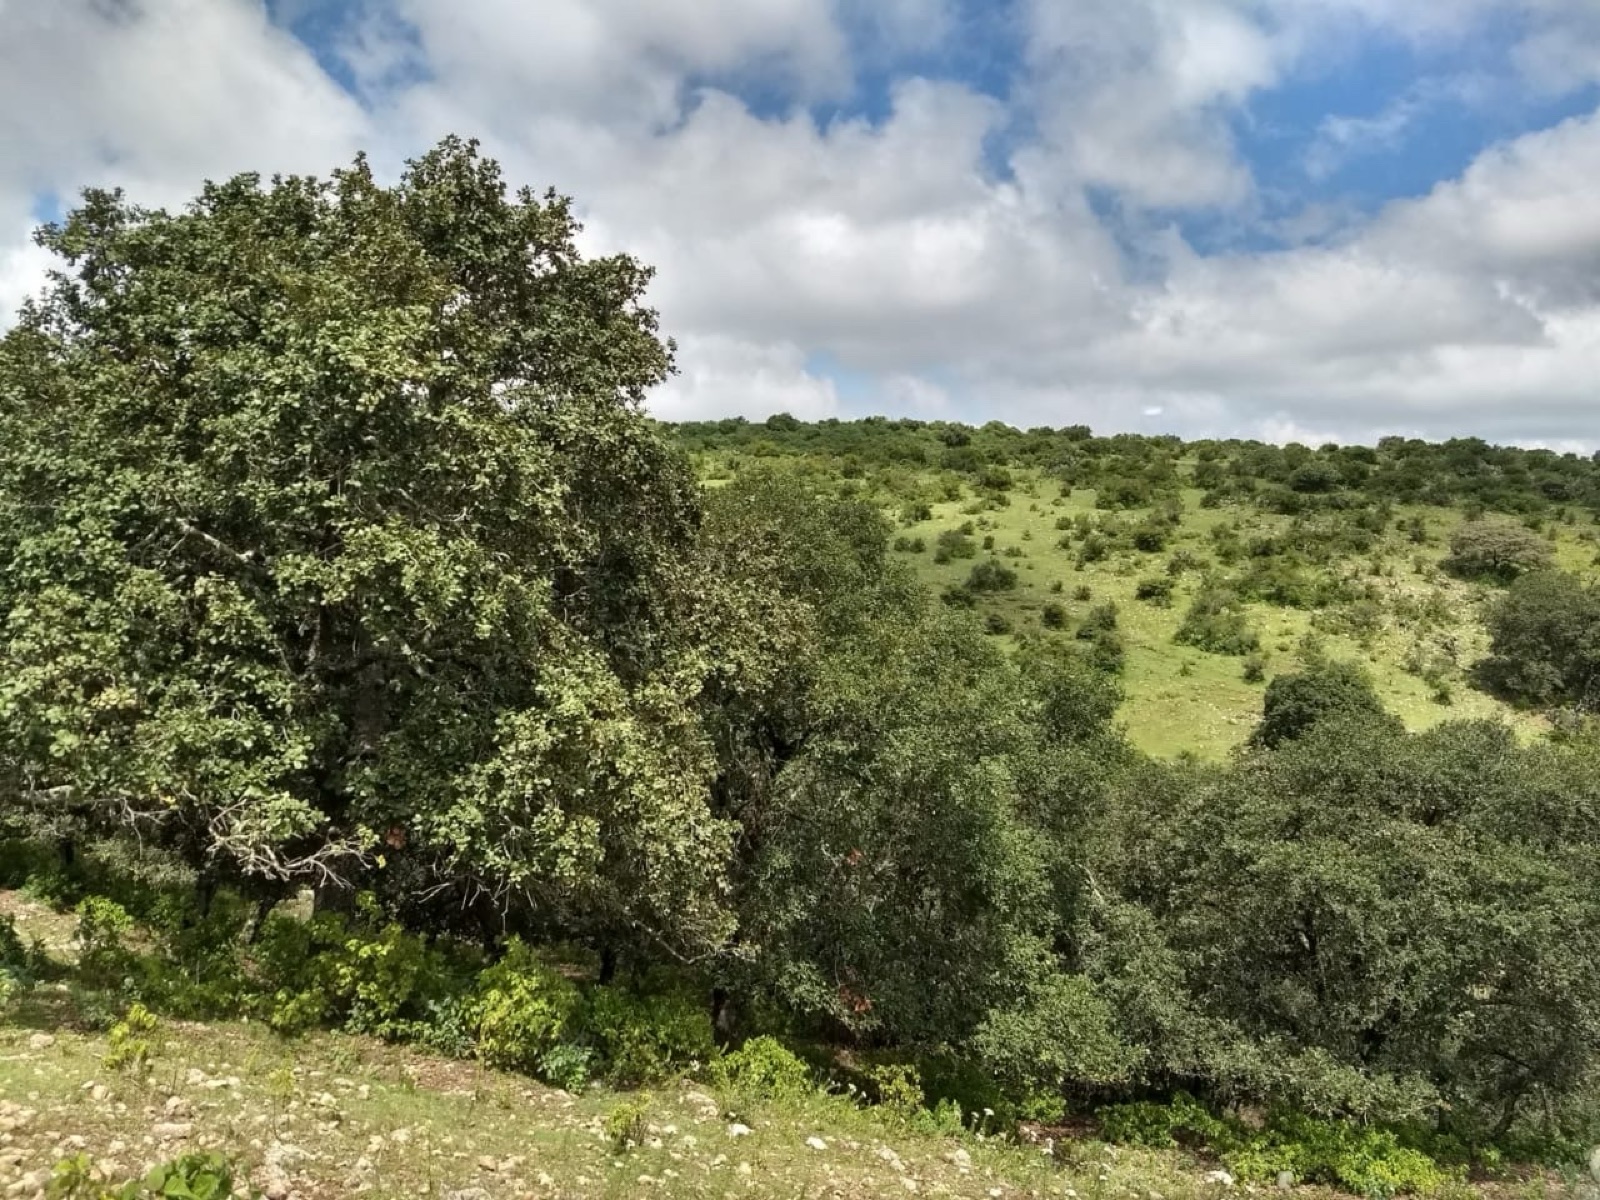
[1179, 699]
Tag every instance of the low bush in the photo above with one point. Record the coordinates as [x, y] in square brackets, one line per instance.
[1368, 1160]
[763, 1068]
[638, 1038]
[522, 1014]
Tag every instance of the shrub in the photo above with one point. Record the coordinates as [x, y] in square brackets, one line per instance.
[625, 1125]
[1216, 624]
[953, 544]
[910, 545]
[996, 624]
[639, 1038]
[763, 1068]
[1369, 1161]
[132, 1041]
[991, 576]
[1297, 702]
[1255, 667]
[1155, 591]
[1082, 593]
[522, 1012]
[103, 960]
[1053, 616]
[1496, 550]
[1545, 640]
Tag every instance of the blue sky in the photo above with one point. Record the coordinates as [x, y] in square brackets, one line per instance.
[1276, 218]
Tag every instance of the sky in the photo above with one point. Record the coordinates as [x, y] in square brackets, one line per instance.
[1295, 220]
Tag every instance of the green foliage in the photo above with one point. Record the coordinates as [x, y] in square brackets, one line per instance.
[1155, 591]
[991, 576]
[625, 1125]
[954, 544]
[102, 927]
[336, 539]
[1297, 702]
[763, 1068]
[1063, 1033]
[1496, 550]
[199, 1176]
[522, 1012]
[1545, 646]
[132, 1041]
[1366, 1160]
[640, 1038]
[1216, 623]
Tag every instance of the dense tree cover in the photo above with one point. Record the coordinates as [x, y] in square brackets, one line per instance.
[1546, 641]
[335, 550]
[1135, 470]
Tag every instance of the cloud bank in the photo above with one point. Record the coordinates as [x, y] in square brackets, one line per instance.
[1163, 215]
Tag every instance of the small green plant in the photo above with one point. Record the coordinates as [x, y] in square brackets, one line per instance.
[625, 1125]
[763, 1068]
[200, 1176]
[132, 1041]
[899, 1090]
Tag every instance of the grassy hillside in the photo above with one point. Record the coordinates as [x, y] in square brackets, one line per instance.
[1183, 699]
[1419, 639]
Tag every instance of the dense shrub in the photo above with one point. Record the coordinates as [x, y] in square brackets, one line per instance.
[1545, 641]
[1496, 550]
[1156, 591]
[640, 1037]
[763, 1068]
[521, 1011]
[1216, 623]
[991, 576]
[953, 544]
[1296, 703]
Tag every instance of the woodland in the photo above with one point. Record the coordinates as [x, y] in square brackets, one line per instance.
[371, 660]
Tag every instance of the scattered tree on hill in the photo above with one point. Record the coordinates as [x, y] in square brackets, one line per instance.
[1497, 550]
[1296, 703]
[1545, 646]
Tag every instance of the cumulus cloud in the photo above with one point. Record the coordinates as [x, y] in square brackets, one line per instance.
[956, 247]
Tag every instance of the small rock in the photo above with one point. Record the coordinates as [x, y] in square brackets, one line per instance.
[177, 1106]
[545, 1180]
[99, 1093]
[41, 1041]
[485, 1163]
[816, 1143]
[467, 1194]
[960, 1158]
[746, 1169]
[274, 1184]
[1594, 1163]
[737, 1130]
[1220, 1178]
[171, 1131]
[909, 1183]
[1285, 1180]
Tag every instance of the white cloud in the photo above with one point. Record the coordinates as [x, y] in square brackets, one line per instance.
[721, 376]
[946, 276]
